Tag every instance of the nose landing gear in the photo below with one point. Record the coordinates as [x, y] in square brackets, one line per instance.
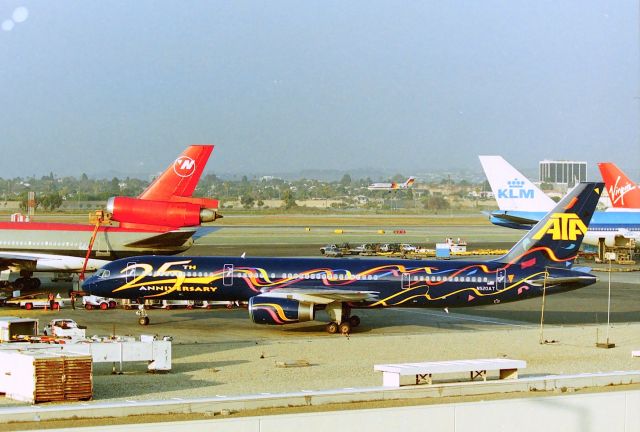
[143, 318]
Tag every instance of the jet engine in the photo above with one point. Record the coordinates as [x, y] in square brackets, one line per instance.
[159, 213]
[279, 311]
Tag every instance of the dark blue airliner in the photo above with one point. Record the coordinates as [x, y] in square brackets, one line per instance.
[290, 290]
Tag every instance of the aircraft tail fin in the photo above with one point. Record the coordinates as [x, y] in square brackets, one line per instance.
[556, 239]
[512, 190]
[409, 182]
[179, 180]
[623, 192]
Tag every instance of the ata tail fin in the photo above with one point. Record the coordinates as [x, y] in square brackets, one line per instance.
[623, 193]
[555, 240]
[181, 177]
[512, 190]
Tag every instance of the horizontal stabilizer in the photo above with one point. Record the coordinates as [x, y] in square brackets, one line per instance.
[551, 281]
[204, 231]
[165, 240]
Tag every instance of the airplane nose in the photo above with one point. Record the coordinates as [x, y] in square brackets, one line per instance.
[88, 286]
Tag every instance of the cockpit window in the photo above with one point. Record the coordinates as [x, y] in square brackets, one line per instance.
[103, 273]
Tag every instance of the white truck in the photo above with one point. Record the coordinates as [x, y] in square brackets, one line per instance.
[64, 327]
[32, 302]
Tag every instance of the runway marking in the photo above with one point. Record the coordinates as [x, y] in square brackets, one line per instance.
[464, 318]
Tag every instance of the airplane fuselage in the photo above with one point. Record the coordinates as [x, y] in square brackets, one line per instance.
[397, 283]
[604, 225]
[64, 246]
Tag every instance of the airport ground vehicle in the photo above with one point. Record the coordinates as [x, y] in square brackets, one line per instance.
[333, 252]
[343, 248]
[406, 247]
[364, 249]
[64, 327]
[96, 302]
[390, 247]
[36, 301]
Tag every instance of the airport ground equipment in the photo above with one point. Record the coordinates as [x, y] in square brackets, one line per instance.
[33, 301]
[96, 302]
[12, 328]
[157, 353]
[64, 328]
[391, 373]
[45, 375]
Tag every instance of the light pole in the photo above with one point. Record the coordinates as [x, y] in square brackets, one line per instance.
[609, 256]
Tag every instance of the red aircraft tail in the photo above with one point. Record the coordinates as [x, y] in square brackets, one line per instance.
[623, 192]
[179, 180]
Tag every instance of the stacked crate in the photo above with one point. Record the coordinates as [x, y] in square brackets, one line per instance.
[39, 376]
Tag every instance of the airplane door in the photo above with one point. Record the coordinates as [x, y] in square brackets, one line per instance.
[405, 280]
[227, 275]
[501, 278]
[131, 272]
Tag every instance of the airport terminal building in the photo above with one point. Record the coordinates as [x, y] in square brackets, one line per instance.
[562, 174]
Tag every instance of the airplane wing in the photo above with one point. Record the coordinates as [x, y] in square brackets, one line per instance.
[21, 261]
[551, 281]
[528, 218]
[321, 295]
[172, 238]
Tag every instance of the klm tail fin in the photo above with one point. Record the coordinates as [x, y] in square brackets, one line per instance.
[512, 190]
[623, 193]
[179, 180]
[555, 240]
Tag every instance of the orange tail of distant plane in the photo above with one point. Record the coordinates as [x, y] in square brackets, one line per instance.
[409, 182]
[623, 192]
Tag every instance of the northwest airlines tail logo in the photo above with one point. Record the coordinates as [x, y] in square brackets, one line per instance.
[184, 166]
[562, 226]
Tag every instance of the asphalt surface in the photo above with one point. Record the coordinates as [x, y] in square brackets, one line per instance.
[221, 350]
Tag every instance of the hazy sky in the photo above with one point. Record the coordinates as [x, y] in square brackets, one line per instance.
[279, 86]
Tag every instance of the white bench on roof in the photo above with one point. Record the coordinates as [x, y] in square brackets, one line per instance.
[423, 372]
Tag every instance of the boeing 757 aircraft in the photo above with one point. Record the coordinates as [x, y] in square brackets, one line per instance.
[522, 204]
[392, 186]
[283, 291]
[164, 219]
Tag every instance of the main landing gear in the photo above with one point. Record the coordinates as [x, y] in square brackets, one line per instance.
[26, 282]
[341, 319]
